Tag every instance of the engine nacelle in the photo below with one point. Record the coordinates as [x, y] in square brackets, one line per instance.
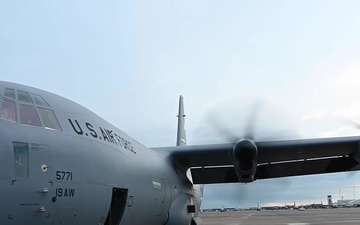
[245, 157]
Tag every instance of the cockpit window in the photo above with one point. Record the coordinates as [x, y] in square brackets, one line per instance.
[24, 96]
[49, 119]
[29, 116]
[8, 111]
[10, 93]
[28, 108]
[39, 100]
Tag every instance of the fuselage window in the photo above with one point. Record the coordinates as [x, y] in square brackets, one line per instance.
[49, 119]
[39, 100]
[10, 93]
[24, 96]
[21, 159]
[8, 110]
[29, 116]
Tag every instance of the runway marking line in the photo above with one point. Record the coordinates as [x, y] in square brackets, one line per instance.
[298, 223]
[245, 217]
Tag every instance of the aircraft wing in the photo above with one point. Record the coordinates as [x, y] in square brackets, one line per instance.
[222, 163]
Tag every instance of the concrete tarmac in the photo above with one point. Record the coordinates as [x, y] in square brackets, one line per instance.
[347, 216]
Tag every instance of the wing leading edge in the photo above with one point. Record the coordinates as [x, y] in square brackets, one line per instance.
[215, 163]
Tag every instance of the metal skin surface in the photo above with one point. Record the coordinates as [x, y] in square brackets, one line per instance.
[62, 164]
[96, 167]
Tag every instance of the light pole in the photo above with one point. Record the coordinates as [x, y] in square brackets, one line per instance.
[339, 194]
[354, 193]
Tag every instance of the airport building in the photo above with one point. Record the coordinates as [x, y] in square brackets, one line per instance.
[348, 203]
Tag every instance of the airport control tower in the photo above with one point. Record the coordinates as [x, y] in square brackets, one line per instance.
[329, 200]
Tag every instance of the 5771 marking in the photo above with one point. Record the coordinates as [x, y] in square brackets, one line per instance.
[64, 175]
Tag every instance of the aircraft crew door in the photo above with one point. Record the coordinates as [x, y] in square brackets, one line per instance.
[31, 163]
[117, 206]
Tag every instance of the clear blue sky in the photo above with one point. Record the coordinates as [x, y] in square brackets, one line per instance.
[128, 61]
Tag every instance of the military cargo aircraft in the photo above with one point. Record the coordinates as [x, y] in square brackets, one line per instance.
[63, 164]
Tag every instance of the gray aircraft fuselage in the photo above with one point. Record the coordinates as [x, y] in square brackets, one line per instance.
[62, 164]
[85, 172]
